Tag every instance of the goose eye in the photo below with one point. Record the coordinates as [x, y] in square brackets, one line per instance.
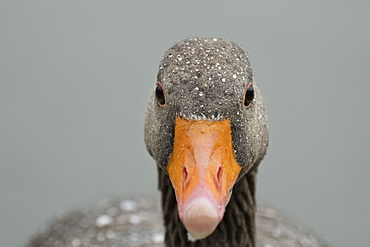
[159, 94]
[249, 95]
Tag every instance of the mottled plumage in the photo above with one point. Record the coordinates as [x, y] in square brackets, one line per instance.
[137, 222]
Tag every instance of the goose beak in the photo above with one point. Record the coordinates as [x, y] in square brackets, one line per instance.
[203, 171]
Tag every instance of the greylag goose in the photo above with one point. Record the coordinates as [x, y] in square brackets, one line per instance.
[206, 128]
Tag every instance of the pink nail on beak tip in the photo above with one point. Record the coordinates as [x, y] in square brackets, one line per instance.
[201, 218]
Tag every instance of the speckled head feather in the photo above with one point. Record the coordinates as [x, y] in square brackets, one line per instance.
[205, 79]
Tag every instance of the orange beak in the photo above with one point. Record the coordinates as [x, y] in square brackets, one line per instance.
[203, 170]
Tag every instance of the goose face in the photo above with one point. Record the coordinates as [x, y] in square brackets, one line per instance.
[205, 127]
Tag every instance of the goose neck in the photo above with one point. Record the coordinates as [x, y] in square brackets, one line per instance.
[237, 228]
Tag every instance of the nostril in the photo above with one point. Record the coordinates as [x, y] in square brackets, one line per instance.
[185, 174]
[219, 175]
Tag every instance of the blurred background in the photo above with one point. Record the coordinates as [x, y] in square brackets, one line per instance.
[75, 77]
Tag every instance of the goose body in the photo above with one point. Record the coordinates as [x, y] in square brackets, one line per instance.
[137, 222]
[207, 131]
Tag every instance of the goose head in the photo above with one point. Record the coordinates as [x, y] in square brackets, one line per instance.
[205, 127]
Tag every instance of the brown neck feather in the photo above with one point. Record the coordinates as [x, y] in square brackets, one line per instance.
[237, 229]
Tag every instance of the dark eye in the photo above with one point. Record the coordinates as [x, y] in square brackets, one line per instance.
[159, 94]
[249, 95]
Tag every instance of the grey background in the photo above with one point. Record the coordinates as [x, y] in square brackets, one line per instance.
[75, 77]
